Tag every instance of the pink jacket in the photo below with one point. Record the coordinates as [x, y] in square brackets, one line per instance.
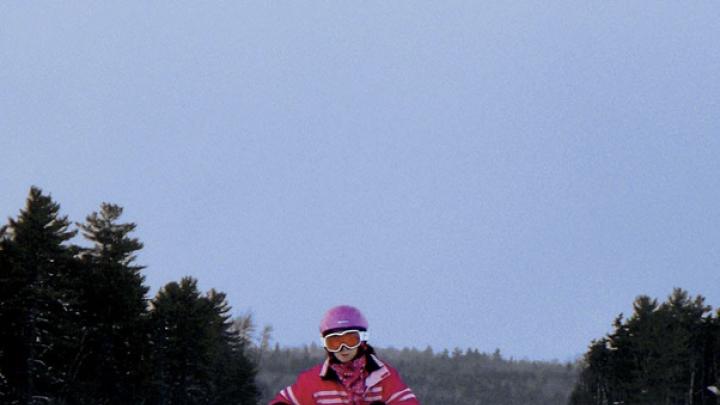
[315, 386]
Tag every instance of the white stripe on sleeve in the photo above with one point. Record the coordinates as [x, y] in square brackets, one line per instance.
[399, 394]
[292, 396]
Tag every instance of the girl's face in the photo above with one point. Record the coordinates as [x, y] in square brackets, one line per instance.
[346, 354]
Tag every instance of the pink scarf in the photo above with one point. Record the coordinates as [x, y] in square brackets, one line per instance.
[352, 376]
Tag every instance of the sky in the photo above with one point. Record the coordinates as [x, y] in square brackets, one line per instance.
[469, 174]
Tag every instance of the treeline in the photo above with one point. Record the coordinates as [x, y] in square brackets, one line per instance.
[663, 354]
[77, 328]
[445, 378]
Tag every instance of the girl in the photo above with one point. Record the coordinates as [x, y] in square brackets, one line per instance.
[351, 373]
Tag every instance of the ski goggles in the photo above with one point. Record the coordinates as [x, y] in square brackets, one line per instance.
[351, 339]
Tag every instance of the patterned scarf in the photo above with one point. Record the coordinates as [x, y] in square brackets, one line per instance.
[352, 376]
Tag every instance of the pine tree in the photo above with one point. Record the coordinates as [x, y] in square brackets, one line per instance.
[684, 336]
[113, 309]
[662, 354]
[198, 359]
[38, 303]
[176, 331]
[233, 374]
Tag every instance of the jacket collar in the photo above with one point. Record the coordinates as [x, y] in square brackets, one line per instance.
[377, 375]
[376, 368]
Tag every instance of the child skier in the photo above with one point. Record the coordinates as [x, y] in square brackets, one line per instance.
[351, 373]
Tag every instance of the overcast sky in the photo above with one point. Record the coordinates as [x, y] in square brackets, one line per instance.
[469, 174]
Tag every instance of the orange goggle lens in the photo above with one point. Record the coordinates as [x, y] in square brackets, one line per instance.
[349, 338]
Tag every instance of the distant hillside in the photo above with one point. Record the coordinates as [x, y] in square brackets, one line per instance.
[443, 378]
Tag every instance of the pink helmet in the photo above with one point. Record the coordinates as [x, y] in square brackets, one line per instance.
[343, 317]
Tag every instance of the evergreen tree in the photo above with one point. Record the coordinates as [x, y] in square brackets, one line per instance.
[233, 374]
[198, 359]
[37, 311]
[662, 354]
[177, 327]
[113, 309]
[684, 334]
